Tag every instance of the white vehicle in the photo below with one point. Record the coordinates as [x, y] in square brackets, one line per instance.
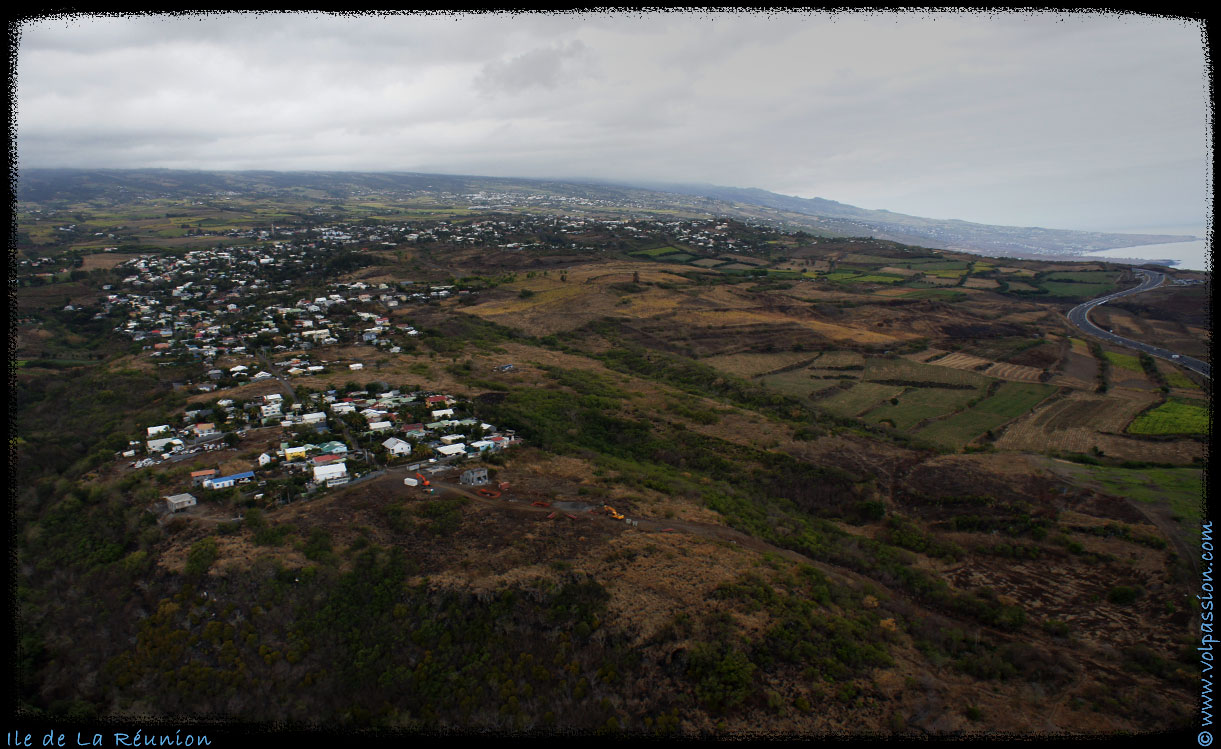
[1174, 356]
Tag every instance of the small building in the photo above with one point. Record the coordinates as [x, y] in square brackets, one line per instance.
[474, 477]
[264, 459]
[317, 417]
[334, 447]
[163, 445]
[295, 453]
[158, 429]
[198, 477]
[450, 439]
[332, 474]
[450, 451]
[356, 366]
[224, 482]
[442, 412]
[178, 502]
[379, 426]
[396, 446]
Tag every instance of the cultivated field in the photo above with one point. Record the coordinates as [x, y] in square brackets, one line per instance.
[859, 398]
[1074, 423]
[751, 365]
[918, 404]
[1173, 417]
[1010, 401]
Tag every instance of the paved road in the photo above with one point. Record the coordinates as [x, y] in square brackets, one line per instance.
[1080, 316]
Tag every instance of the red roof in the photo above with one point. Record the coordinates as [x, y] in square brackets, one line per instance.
[323, 459]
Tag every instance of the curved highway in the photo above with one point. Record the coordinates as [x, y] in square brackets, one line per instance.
[1080, 317]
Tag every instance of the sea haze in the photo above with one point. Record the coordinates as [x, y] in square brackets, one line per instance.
[1192, 255]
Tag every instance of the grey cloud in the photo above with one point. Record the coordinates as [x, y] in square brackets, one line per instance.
[546, 67]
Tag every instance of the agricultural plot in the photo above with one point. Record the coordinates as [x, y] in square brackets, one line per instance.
[925, 356]
[906, 272]
[981, 283]
[840, 360]
[1020, 286]
[939, 281]
[797, 383]
[708, 262]
[945, 273]
[859, 398]
[657, 252]
[754, 364]
[1012, 399]
[918, 404]
[1172, 417]
[1124, 361]
[1175, 378]
[1076, 291]
[877, 278]
[1073, 423]
[910, 372]
[1018, 372]
[944, 295]
[1089, 277]
[959, 360]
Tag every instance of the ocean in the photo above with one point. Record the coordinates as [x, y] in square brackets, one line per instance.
[1193, 255]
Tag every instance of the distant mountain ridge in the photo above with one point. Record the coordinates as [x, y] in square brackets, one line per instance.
[817, 215]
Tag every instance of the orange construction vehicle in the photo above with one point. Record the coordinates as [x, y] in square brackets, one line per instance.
[613, 514]
[423, 480]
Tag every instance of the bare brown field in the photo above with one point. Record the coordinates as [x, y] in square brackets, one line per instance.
[749, 365]
[828, 330]
[980, 283]
[962, 361]
[937, 281]
[926, 355]
[104, 260]
[1020, 286]
[1014, 372]
[899, 271]
[1082, 421]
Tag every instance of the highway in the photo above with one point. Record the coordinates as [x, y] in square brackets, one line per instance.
[1080, 317]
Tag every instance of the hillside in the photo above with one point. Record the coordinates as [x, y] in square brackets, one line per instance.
[820, 216]
[741, 479]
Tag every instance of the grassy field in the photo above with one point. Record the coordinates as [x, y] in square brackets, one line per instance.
[1124, 361]
[859, 398]
[908, 371]
[1012, 399]
[1089, 277]
[917, 404]
[1179, 488]
[1175, 378]
[1076, 290]
[751, 364]
[797, 383]
[944, 295]
[657, 252]
[1172, 417]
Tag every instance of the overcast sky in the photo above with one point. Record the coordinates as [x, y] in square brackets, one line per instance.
[1084, 120]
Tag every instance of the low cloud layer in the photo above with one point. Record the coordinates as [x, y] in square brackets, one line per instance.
[1069, 120]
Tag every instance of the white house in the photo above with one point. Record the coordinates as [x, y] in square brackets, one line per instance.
[158, 429]
[162, 445]
[356, 366]
[450, 439]
[179, 502]
[314, 418]
[396, 446]
[379, 426]
[264, 459]
[442, 412]
[452, 450]
[331, 474]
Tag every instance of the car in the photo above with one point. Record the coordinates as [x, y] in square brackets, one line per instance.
[1174, 356]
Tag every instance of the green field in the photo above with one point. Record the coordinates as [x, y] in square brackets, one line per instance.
[944, 295]
[1081, 291]
[878, 278]
[1172, 417]
[907, 371]
[1180, 488]
[1089, 276]
[797, 383]
[1124, 361]
[1177, 379]
[859, 398]
[1012, 399]
[918, 404]
[657, 251]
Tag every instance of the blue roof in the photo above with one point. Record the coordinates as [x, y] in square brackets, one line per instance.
[245, 475]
